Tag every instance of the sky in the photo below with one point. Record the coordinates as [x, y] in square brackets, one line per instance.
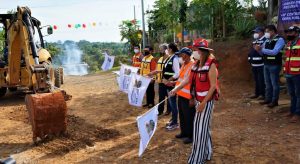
[107, 14]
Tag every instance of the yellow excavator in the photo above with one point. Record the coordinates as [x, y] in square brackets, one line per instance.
[27, 64]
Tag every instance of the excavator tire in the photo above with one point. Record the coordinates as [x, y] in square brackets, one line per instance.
[13, 89]
[61, 71]
[57, 77]
[47, 114]
[2, 91]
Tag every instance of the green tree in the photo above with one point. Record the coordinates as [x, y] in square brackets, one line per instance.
[130, 31]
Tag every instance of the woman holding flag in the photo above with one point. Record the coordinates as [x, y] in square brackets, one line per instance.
[204, 89]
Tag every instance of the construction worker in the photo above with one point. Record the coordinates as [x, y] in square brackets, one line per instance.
[171, 73]
[204, 88]
[271, 50]
[292, 71]
[162, 88]
[257, 63]
[148, 65]
[186, 112]
[137, 57]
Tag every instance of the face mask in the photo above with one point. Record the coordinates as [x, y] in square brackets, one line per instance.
[267, 35]
[146, 53]
[136, 51]
[181, 61]
[255, 36]
[167, 52]
[290, 37]
[196, 55]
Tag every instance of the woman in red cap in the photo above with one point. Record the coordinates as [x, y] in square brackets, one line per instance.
[204, 88]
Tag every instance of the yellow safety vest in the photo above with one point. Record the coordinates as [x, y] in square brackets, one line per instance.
[159, 67]
[145, 65]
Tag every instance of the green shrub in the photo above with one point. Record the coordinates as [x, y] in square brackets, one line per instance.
[243, 27]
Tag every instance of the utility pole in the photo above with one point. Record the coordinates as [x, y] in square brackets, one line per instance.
[134, 15]
[143, 22]
[270, 11]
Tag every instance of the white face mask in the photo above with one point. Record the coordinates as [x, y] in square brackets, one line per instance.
[196, 55]
[167, 52]
[181, 61]
[255, 35]
[267, 35]
[136, 51]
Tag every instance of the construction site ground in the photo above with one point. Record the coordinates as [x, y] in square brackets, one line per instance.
[102, 125]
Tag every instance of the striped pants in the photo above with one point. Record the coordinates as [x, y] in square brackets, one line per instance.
[202, 144]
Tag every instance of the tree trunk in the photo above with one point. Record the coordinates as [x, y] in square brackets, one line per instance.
[182, 34]
[270, 11]
[223, 18]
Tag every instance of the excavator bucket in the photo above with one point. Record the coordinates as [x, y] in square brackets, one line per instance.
[47, 114]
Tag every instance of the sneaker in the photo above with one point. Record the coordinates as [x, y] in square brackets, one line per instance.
[172, 127]
[261, 98]
[273, 104]
[167, 113]
[180, 136]
[264, 102]
[288, 114]
[295, 119]
[150, 106]
[187, 141]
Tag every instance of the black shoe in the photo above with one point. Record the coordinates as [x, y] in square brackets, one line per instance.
[253, 97]
[273, 104]
[160, 113]
[187, 141]
[145, 105]
[264, 102]
[180, 136]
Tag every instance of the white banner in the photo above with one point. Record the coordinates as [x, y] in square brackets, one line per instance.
[137, 89]
[108, 62]
[147, 124]
[126, 73]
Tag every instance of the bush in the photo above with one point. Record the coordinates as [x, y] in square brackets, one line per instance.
[243, 27]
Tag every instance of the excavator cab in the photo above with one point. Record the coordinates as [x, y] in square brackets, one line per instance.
[26, 61]
[27, 64]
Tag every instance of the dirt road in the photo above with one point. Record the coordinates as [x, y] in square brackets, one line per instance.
[102, 129]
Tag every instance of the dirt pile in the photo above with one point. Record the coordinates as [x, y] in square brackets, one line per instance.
[233, 60]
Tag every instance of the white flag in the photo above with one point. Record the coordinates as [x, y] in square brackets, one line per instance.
[108, 62]
[137, 89]
[126, 73]
[147, 124]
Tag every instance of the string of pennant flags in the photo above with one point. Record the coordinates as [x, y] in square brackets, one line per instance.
[89, 25]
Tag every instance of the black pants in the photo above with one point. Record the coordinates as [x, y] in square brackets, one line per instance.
[258, 74]
[150, 94]
[163, 93]
[186, 117]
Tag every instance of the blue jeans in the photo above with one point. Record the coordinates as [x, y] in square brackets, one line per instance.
[293, 83]
[271, 73]
[173, 105]
[258, 74]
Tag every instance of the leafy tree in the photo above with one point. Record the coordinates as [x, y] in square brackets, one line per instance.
[130, 31]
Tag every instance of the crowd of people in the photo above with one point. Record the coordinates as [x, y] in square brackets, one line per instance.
[270, 52]
[188, 78]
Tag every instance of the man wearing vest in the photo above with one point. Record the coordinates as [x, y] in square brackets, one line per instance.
[148, 65]
[162, 88]
[171, 73]
[186, 112]
[137, 57]
[271, 50]
[292, 71]
[257, 64]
